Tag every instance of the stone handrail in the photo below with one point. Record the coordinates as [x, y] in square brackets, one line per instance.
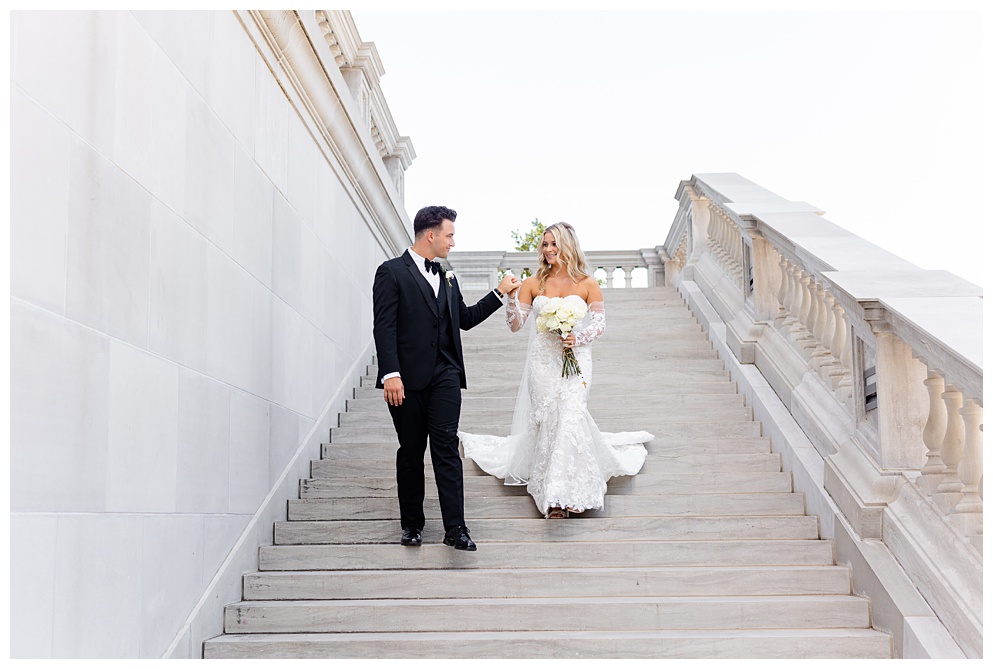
[878, 361]
[480, 270]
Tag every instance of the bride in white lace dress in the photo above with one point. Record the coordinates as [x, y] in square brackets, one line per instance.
[554, 445]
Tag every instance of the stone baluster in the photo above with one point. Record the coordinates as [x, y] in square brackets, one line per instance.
[796, 305]
[735, 253]
[846, 382]
[818, 317]
[627, 276]
[950, 486]
[838, 345]
[810, 340]
[934, 433]
[830, 360]
[792, 298]
[782, 312]
[722, 247]
[970, 467]
[713, 226]
[802, 335]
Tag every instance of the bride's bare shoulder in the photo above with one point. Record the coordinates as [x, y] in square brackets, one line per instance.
[592, 288]
[529, 288]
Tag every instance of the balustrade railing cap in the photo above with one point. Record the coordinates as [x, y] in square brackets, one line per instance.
[761, 209]
[922, 305]
[732, 187]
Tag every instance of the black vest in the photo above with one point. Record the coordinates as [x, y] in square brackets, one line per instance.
[446, 345]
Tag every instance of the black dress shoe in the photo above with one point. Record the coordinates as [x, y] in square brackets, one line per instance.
[411, 537]
[458, 538]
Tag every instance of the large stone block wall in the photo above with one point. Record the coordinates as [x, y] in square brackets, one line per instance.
[190, 298]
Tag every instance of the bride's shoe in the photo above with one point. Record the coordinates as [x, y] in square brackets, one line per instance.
[557, 512]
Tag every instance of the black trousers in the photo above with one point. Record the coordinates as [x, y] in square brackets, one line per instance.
[431, 412]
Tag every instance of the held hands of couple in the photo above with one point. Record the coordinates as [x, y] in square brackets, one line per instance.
[509, 285]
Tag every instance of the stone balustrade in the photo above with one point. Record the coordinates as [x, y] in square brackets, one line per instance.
[480, 270]
[878, 362]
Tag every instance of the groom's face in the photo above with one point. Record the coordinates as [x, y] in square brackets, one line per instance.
[444, 239]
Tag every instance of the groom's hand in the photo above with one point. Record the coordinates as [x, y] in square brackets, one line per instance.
[509, 284]
[393, 391]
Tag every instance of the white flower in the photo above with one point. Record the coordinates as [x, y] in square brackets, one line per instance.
[560, 316]
[449, 275]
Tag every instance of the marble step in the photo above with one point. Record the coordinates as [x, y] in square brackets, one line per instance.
[657, 403]
[661, 364]
[573, 529]
[646, 484]
[663, 331]
[617, 379]
[502, 555]
[684, 337]
[631, 413]
[548, 613]
[719, 385]
[614, 506]
[668, 445]
[482, 583]
[622, 353]
[690, 464]
[668, 429]
[676, 644]
[522, 506]
[675, 322]
[617, 321]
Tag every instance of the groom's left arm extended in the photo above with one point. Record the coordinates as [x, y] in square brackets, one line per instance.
[470, 317]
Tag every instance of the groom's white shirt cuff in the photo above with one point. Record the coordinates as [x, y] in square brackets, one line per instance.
[390, 376]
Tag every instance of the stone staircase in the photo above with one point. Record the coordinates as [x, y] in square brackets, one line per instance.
[705, 553]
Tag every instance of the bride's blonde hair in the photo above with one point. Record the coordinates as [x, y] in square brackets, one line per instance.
[570, 254]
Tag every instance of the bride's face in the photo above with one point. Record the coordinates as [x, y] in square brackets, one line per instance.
[549, 248]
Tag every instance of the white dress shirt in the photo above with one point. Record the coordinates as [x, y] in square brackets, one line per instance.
[432, 278]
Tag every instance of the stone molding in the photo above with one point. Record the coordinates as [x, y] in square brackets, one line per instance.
[353, 55]
[311, 78]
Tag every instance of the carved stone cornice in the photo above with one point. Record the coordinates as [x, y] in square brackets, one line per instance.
[312, 81]
[359, 59]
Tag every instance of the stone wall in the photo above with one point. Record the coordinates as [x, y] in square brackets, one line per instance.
[195, 223]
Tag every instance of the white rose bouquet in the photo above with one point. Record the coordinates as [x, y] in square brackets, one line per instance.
[559, 316]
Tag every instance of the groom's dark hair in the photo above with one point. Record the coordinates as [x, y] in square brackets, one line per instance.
[431, 217]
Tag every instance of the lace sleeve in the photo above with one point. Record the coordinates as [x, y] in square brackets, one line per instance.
[596, 327]
[517, 314]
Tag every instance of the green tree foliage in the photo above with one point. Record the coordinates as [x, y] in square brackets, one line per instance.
[530, 240]
[527, 241]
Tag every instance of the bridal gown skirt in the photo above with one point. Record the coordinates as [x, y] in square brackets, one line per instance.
[556, 448]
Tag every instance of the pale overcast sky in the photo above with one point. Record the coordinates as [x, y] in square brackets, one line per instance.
[594, 117]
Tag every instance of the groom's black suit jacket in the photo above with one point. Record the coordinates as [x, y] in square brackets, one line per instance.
[406, 319]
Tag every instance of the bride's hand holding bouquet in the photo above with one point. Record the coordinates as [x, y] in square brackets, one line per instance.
[559, 316]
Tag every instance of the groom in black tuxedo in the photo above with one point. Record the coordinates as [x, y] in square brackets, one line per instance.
[417, 312]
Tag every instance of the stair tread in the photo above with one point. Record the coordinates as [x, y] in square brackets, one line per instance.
[522, 601]
[566, 634]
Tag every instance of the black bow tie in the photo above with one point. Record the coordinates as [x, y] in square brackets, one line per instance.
[432, 266]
